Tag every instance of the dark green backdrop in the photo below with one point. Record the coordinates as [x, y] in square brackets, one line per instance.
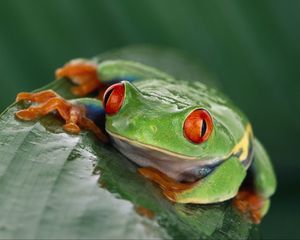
[252, 47]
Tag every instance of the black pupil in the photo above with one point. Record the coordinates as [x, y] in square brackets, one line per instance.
[107, 95]
[203, 128]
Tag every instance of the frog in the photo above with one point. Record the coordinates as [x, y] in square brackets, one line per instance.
[187, 137]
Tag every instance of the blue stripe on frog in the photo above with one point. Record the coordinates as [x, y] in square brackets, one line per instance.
[94, 109]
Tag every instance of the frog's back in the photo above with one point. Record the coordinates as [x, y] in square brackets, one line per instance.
[182, 93]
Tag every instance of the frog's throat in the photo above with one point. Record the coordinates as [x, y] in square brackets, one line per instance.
[243, 150]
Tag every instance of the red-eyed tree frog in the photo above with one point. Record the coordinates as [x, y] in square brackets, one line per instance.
[187, 137]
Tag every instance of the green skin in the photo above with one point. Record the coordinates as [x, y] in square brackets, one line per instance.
[150, 122]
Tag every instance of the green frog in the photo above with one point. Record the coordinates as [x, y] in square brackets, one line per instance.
[187, 137]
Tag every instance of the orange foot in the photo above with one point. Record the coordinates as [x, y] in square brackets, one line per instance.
[251, 204]
[49, 101]
[83, 73]
[169, 186]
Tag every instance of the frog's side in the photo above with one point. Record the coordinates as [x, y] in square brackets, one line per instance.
[145, 119]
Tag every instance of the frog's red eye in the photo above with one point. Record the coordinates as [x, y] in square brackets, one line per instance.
[198, 126]
[113, 98]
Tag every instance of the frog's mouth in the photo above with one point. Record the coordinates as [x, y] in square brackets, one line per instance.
[179, 167]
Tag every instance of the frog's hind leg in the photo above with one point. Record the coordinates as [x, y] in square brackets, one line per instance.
[251, 204]
[83, 73]
[260, 184]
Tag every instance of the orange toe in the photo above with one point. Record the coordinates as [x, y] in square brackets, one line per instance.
[23, 96]
[77, 67]
[26, 115]
[72, 128]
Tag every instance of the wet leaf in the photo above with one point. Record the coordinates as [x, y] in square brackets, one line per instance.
[57, 185]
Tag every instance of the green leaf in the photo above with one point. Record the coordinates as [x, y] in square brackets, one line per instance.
[57, 185]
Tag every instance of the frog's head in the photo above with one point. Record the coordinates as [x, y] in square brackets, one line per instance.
[184, 141]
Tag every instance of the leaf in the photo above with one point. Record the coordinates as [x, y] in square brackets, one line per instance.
[57, 185]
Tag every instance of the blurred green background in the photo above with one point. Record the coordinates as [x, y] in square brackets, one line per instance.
[251, 47]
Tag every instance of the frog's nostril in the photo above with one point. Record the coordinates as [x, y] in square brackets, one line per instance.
[113, 98]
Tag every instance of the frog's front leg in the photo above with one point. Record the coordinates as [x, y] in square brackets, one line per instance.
[260, 185]
[220, 185]
[75, 113]
[89, 75]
